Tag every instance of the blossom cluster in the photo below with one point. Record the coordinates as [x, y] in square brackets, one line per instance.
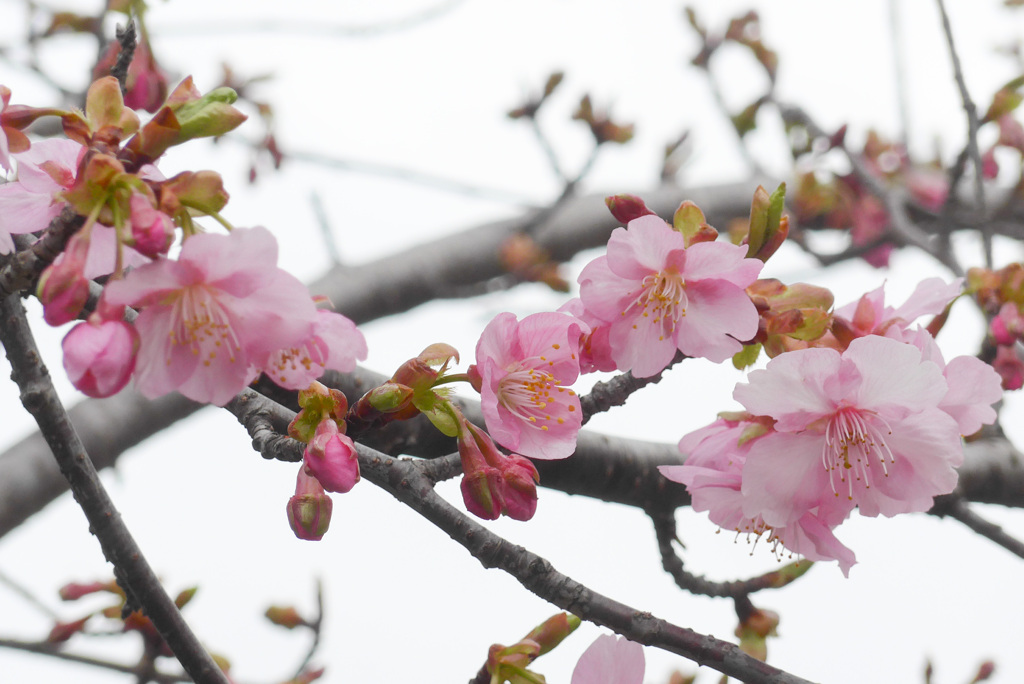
[209, 321]
[856, 409]
[867, 417]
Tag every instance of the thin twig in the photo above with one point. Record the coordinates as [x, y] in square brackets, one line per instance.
[306, 28]
[615, 392]
[665, 529]
[972, 133]
[317, 626]
[958, 510]
[900, 69]
[127, 39]
[48, 649]
[24, 593]
[407, 175]
[130, 566]
[325, 228]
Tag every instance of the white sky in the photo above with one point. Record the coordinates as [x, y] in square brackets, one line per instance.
[403, 602]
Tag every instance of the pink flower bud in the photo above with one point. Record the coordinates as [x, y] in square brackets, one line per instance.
[331, 458]
[625, 208]
[74, 591]
[99, 356]
[63, 288]
[152, 230]
[309, 511]
[1009, 367]
[493, 482]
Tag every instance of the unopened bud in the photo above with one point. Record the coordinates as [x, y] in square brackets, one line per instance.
[625, 208]
[285, 616]
[309, 510]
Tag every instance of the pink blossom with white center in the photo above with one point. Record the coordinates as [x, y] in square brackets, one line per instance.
[659, 296]
[336, 343]
[611, 659]
[525, 369]
[865, 425]
[713, 475]
[29, 204]
[206, 318]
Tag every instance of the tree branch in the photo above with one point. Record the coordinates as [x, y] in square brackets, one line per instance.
[131, 568]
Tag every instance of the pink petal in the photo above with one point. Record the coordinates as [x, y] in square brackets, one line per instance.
[973, 387]
[719, 316]
[721, 261]
[894, 380]
[643, 247]
[791, 388]
[610, 660]
[930, 298]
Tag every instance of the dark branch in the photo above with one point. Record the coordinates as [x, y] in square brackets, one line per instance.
[131, 568]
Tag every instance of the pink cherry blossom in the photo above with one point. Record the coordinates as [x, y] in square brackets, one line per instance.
[713, 475]
[29, 204]
[865, 425]
[870, 316]
[525, 371]
[610, 659]
[99, 356]
[331, 458]
[336, 344]
[973, 384]
[659, 296]
[208, 317]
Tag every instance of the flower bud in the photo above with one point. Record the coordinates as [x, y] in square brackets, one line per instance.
[285, 616]
[152, 230]
[494, 483]
[625, 208]
[99, 356]
[63, 288]
[309, 510]
[331, 458]
[553, 631]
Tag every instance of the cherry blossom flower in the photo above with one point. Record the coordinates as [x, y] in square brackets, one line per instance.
[336, 343]
[659, 296]
[973, 385]
[870, 316]
[713, 475]
[29, 204]
[610, 659]
[206, 318]
[865, 425]
[524, 370]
